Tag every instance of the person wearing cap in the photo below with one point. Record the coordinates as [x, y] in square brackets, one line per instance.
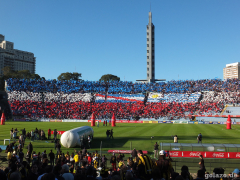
[236, 174]
[113, 160]
[145, 163]
[164, 165]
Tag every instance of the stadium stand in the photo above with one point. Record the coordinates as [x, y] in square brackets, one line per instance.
[127, 100]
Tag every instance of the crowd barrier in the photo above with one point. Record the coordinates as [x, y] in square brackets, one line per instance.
[225, 116]
[210, 122]
[124, 151]
[125, 121]
[205, 154]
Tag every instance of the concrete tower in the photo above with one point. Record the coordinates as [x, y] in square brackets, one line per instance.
[150, 52]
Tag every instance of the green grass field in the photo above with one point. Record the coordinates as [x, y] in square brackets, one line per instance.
[134, 135]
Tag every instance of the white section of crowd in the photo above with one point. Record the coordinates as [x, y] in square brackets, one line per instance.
[211, 96]
[49, 97]
[225, 97]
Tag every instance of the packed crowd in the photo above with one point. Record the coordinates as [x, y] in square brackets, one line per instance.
[49, 96]
[124, 87]
[76, 100]
[224, 97]
[83, 110]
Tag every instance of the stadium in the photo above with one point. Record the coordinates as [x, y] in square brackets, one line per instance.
[149, 129]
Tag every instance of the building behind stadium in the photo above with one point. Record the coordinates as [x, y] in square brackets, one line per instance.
[231, 71]
[16, 59]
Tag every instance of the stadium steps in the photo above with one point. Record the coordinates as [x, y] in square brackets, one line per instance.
[232, 110]
[224, 109]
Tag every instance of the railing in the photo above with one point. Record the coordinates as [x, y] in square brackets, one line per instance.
[200, 147]
[227, 164]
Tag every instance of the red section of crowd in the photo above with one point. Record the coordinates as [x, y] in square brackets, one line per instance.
[83, 110]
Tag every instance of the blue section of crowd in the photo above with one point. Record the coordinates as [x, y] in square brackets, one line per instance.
[123, 87]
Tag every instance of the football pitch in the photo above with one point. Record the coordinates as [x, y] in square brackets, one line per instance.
[128, 136]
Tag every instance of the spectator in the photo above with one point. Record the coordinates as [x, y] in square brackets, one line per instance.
[134, 153]
[144, 167]
[15, 176]
[51, 155]
[113, 160]
[200, 175]
[185, 173]
[57, 172]
[58, 147]
[48, 169]
[32, 135]
[76, 159]
[156, 150]
[164, 165]
[49, 176]
[11, 133]
[33, 175]
[104, 161]
[65, 173]
[236, 174]
[49, 133]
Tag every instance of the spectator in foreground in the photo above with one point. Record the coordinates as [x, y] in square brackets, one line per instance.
[164, 165]
[236, 174]
[145, 165]
[33, 175]
[66, 174]
[200, 175]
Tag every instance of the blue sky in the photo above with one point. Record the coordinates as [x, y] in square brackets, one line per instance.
[194, 39]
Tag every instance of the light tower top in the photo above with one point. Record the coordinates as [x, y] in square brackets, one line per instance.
[150, 18]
